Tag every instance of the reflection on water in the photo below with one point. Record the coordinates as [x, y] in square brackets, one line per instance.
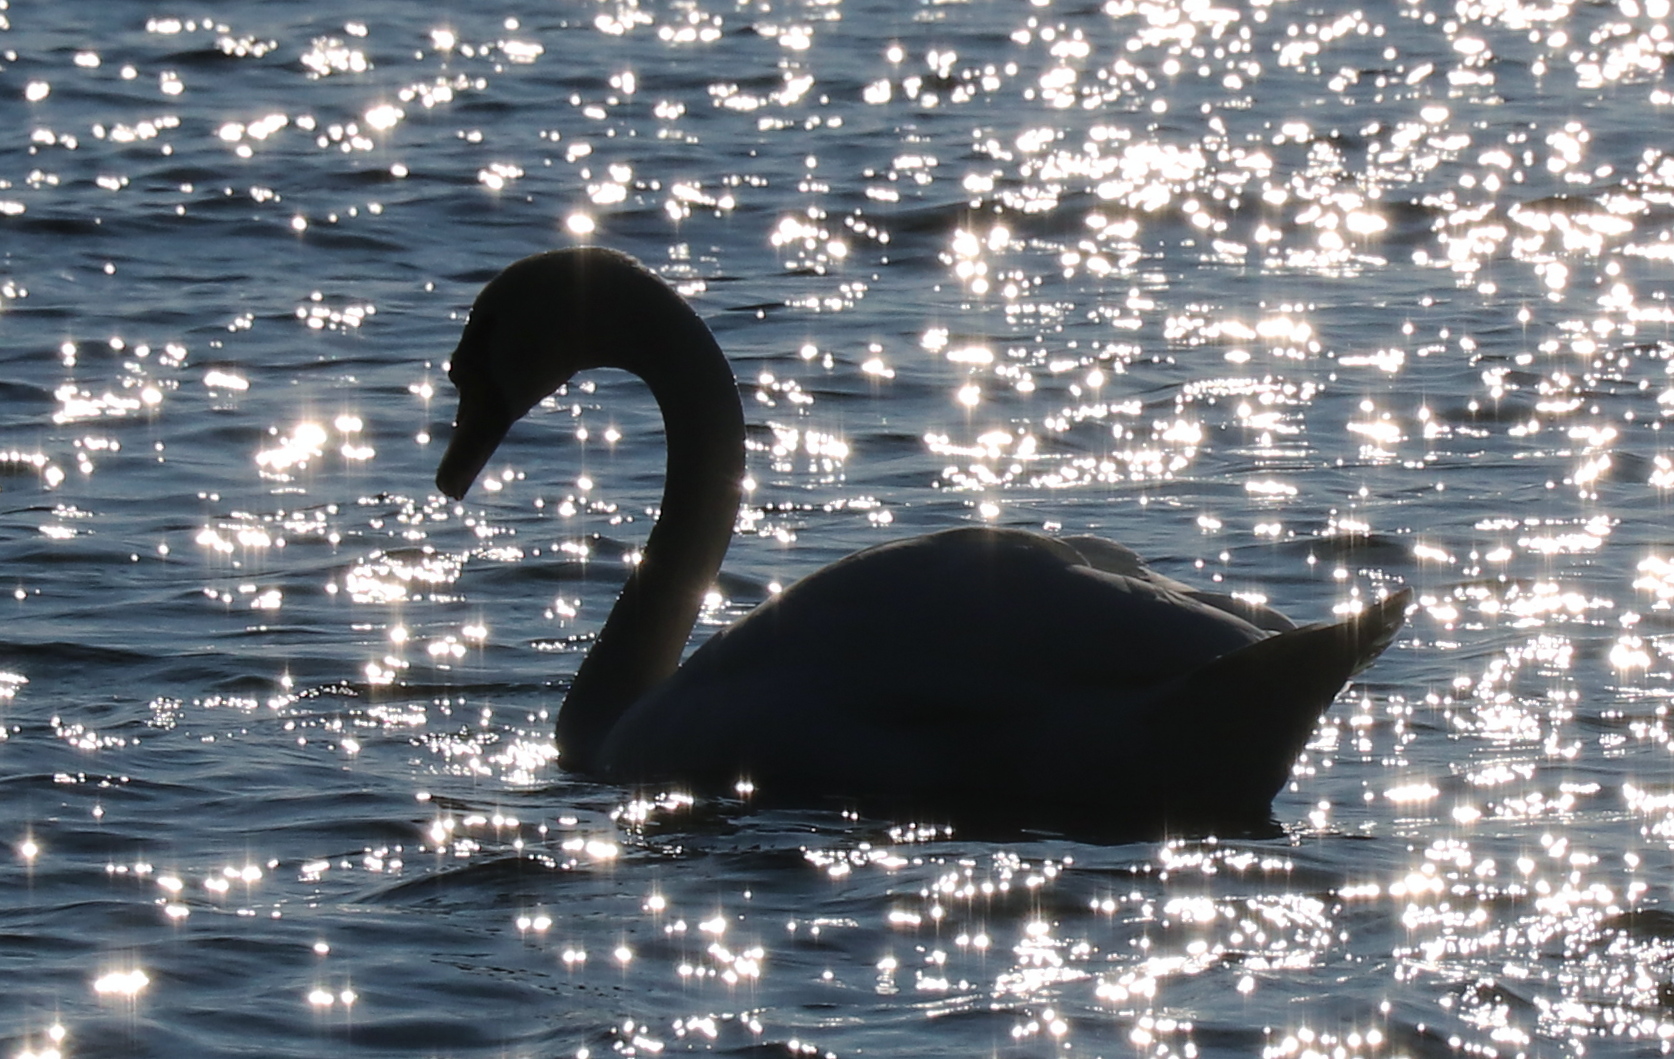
[1305, 303]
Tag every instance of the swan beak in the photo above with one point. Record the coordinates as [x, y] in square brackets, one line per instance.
[478, 427]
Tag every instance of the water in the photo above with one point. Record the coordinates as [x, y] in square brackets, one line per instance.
[1308, 302]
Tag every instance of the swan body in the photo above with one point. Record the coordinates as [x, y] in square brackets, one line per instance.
[977, 674]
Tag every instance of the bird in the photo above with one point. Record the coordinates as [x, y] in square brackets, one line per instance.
[979, 675]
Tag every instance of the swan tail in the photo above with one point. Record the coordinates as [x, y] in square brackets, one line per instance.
[1370, 632]
[1243, 719]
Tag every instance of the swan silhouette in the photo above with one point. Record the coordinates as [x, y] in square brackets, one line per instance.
[974, 674]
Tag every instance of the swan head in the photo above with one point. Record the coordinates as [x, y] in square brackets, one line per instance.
[533, 327]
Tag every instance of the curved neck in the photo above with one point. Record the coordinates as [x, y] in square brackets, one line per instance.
[703, 423]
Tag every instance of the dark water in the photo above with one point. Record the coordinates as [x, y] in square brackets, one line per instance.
[1309, 302]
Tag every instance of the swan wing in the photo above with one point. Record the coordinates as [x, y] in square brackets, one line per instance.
[1111, 557]
[973, 631]
[1213, 743]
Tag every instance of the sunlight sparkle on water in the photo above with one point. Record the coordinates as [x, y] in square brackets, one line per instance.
[121, 983]
[1304, 304]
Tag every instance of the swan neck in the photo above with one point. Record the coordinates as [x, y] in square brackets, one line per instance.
[641, 642]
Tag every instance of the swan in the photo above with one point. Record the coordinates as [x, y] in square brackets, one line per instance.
[975, 674]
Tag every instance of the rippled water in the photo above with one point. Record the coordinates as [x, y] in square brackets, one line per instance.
[1308, 301]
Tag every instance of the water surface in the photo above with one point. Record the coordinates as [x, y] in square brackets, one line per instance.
[1308, 302]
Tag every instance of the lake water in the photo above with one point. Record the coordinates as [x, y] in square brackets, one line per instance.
[1308, 302]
